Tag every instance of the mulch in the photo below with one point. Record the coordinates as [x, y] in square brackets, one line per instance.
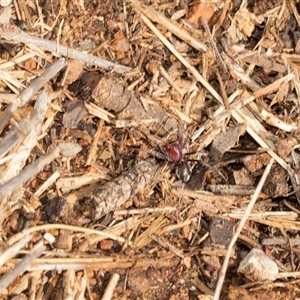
[149, 149]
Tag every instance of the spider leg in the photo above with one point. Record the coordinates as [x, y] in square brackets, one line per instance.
[159, 143]
[202, 153]
[180, 134]
[208, 166]
[155, 153]
[182, 142]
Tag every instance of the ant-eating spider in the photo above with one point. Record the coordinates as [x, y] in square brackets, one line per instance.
[174, 153]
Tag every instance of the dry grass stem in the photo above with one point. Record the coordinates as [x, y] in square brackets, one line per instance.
[26, 95]
[192, 69]
[239, 229]
[63, 149]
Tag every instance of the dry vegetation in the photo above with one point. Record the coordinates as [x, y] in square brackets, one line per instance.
[97, 99]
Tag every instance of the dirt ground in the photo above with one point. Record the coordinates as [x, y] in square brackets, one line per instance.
[149, 148]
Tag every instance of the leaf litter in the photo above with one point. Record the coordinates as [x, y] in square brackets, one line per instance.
[91, 207]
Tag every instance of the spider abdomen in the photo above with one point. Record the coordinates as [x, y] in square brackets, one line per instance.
[174, 152]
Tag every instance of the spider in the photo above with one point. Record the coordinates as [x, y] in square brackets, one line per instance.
[173, 153]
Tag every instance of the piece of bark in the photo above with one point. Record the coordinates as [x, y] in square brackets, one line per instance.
[243, 177]
[221, 231]
[286, 146]
[114, 96]
[254, 163]
[266, 63]
[75, 112]
[226, 140]
[75, 68]
[276, 184]
[116, 192]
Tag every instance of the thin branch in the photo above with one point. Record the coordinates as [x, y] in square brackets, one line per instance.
[22, 266]
[171, 25]
[239, 229]
[64, 149]
[26, 95]
[13, 250]
[12, 32]
[110, 287]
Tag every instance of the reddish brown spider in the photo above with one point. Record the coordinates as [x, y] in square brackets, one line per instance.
[173, 153]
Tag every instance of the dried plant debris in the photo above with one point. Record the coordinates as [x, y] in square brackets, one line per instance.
[135, 135]
[116, 192]
[225, 141]
[75, 112]
[257, 266]
[114, 96]
[221, 231]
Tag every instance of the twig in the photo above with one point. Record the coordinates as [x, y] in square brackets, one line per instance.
[26, 95]
[64, 149]
[22, 266]
[13, 250]
[14, 33]
[239, 229]
[192, 69]
[213, 44]
[171, 25]
[96, 263]
[110, 287]
[86, 231]
[28, 127]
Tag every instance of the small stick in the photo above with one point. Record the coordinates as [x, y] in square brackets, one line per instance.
[85, 231]
[94, 148]
[170, 25]
[22, 266]
[12, 32]
[239, 229]
[64, 149]
[223, 91]
[213, 44]
[110, 287]
[191, 68]
[34, 86]
[13, 250]
[29, 126]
